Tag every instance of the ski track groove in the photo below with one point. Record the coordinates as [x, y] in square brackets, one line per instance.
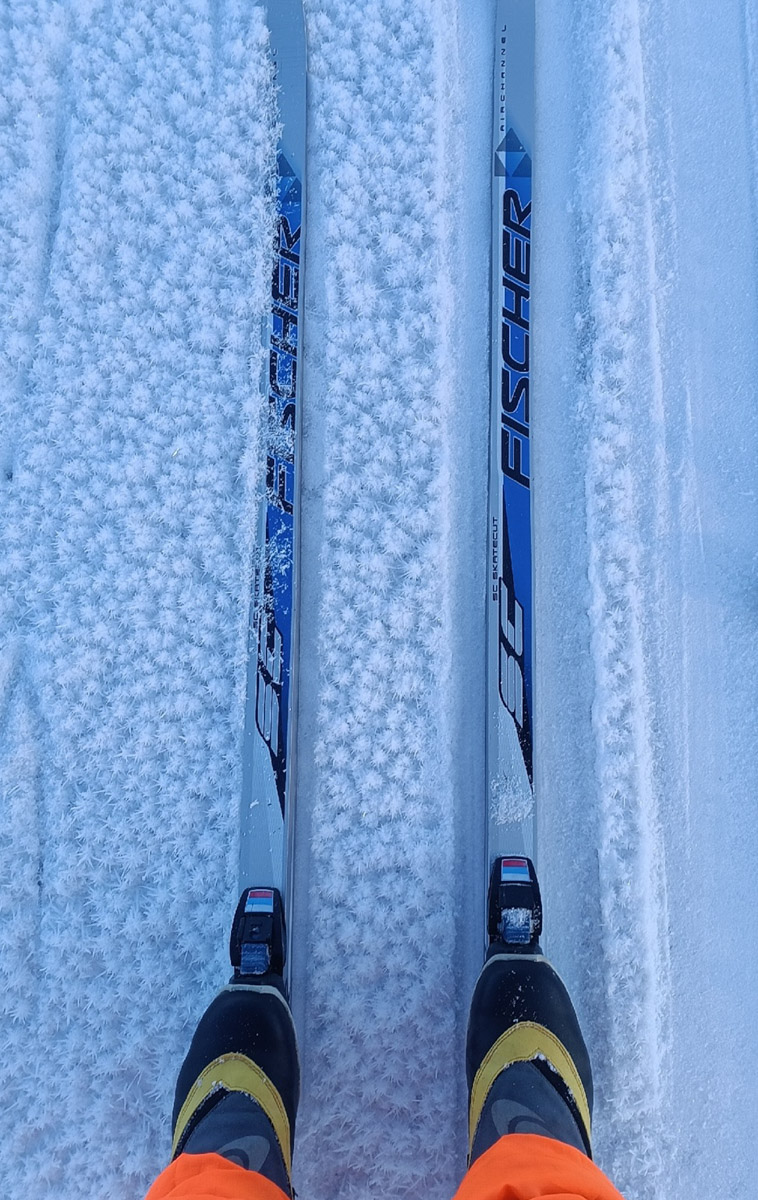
[750, 26]
[622, 395]
[382, 1007]
[34, 116]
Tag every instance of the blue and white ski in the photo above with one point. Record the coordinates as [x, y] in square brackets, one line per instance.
[267, 801]
[510, 623]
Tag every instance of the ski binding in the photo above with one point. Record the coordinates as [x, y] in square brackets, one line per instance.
[258, 938]
[515, 904]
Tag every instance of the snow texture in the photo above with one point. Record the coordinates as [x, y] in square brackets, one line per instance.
[645, 663]
[134, 170]
[382, 824]
[621, 410]
[136, 157]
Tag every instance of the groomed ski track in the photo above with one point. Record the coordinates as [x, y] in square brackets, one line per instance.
[136, 149]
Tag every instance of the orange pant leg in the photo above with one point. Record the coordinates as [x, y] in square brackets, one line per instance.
[211, 1177]
[523, 1166]
[520, 1166]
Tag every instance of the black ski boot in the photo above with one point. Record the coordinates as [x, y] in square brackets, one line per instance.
[527, 1066]
[239, 1086]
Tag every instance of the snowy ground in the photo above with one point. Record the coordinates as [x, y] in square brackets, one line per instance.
[135, 147]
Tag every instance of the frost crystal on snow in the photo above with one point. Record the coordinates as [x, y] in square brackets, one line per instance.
[510, 805]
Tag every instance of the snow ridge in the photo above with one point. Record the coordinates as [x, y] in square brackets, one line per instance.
[380, 1018]
[622, 414]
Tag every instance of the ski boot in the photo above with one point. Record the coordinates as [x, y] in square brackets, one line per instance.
[527, 1066]
[238, 1088]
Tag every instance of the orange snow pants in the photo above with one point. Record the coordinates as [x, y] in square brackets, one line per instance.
[520, 1166]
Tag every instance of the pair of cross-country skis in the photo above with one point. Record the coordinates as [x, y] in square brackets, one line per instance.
[268, 778]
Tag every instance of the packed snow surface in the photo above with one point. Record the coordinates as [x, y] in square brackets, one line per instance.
[136, 151]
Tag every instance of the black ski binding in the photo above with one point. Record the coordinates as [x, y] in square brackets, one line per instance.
[514, 910]
[258, 940]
